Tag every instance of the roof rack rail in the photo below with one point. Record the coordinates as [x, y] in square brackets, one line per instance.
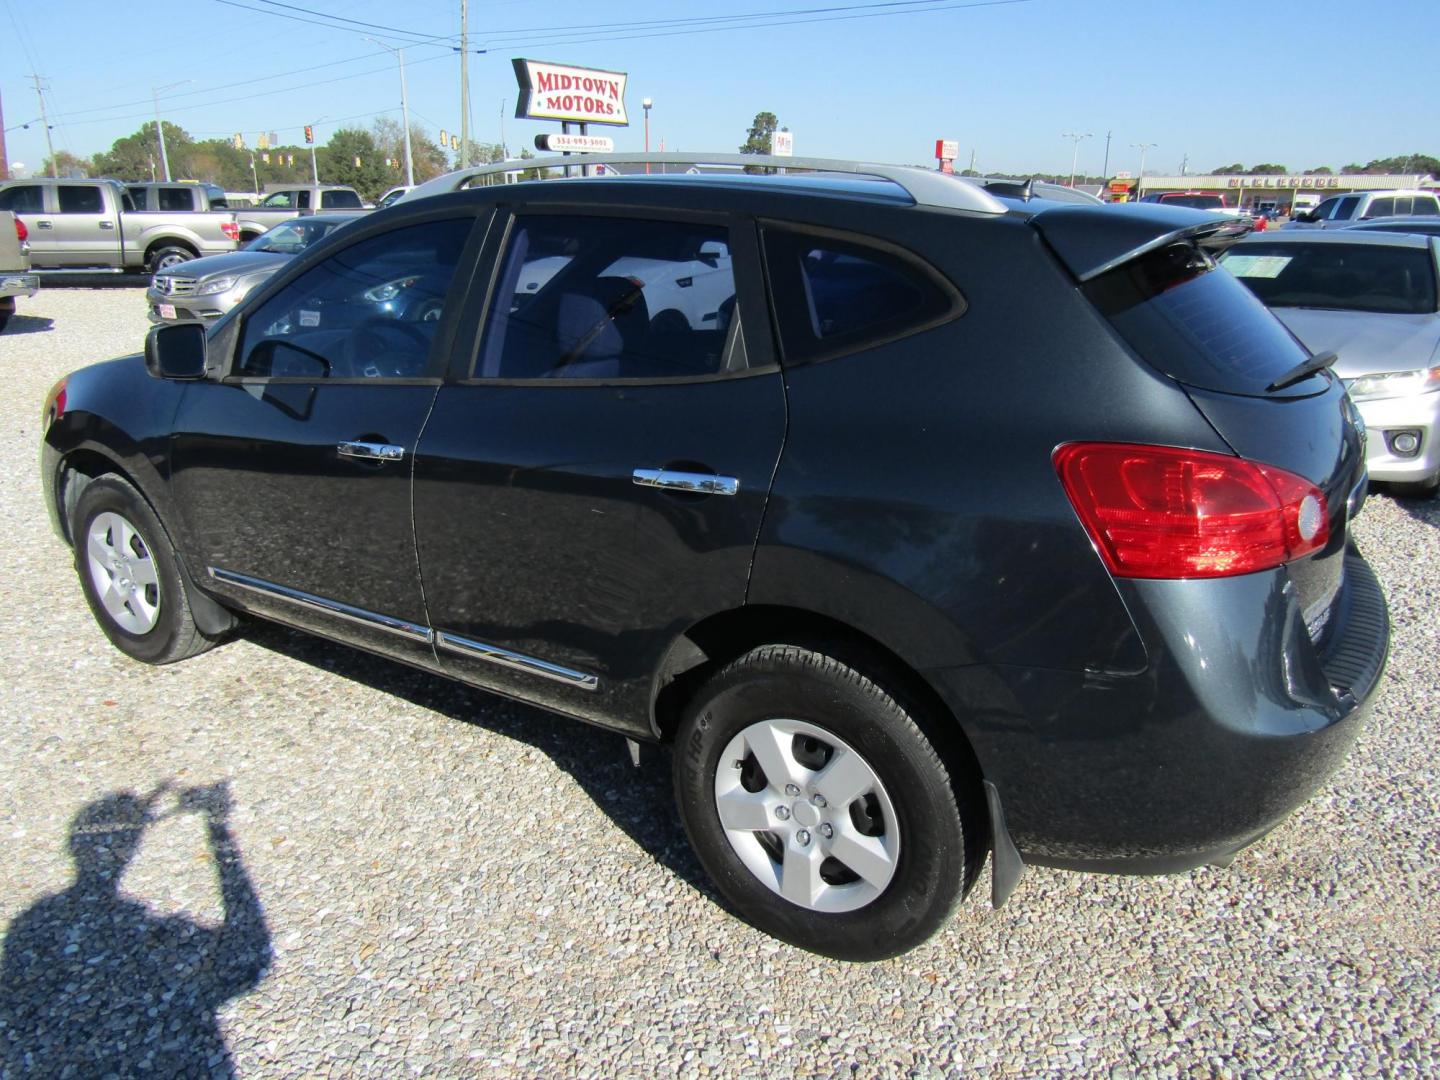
[925, 186]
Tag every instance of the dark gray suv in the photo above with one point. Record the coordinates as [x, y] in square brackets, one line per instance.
[921, 524]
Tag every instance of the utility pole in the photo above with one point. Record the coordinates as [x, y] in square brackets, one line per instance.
[504, 151]
[4, 157]
[155, 92]
[972, 160]
[464, 84]
[1105, 169]
[45, 123]
[1075, 157]
[1140, 180]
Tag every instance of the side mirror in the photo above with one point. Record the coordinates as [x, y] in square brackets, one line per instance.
[176, 351]
[712, 251]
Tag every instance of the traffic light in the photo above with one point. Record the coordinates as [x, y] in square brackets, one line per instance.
[309, 134]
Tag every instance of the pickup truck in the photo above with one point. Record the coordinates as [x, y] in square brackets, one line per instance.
[93, 225]
[281, 203]
[182, 198]
[15, 280]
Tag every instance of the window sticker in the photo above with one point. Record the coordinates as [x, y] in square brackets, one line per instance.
[1256, 266]
[309, 318]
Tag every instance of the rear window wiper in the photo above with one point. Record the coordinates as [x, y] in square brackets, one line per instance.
[1318, 362]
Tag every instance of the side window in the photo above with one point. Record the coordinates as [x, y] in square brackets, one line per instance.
[23, 199]
[1325, 209]
[76, 199]
[1345, 208]
[136, 194]
[281, 200]
[1381, 208]
[835, 295]
[176, 199]
[368, 311]
[1426, 206]
[302, 200]
[339, 200]
[612, 298]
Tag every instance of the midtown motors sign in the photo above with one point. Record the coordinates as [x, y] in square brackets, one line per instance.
[570, 94]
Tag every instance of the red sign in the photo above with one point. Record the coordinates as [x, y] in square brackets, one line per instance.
[947, 149]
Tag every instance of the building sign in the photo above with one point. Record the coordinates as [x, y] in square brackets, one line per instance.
[561, 92]
[947, 149]
[575, 144]
[782, 143]
[1285, 181]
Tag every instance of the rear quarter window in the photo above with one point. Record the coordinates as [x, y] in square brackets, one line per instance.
[835, 294]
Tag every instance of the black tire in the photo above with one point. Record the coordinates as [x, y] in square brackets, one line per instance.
[936, 828]
[165, 604]
[162, 258]
[4, 318]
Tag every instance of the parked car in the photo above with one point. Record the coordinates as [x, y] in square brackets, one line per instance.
[206, 289]
[1339, 211]
[392, 195]
[1195, 200]
[1371, 297]
[291, 201]
[178, 197]
[15, 278]
[782, 541]
[93, 225]
[1427, 225]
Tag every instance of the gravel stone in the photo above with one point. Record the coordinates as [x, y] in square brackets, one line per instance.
[424, 879]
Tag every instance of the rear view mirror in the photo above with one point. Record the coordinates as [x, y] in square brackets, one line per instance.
[176, 351]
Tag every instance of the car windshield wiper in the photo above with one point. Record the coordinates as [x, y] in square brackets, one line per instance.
[1318, 362]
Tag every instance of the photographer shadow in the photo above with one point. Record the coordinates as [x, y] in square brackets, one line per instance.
[94, 983]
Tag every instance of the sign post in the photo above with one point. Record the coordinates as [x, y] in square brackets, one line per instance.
[946, 151]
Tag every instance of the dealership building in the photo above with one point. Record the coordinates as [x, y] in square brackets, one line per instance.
[1276, 194]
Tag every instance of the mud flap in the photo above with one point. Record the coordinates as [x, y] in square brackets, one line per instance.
[1006, 866]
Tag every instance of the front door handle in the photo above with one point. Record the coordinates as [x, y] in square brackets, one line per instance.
[692, 482]
[107, 224]
[370, 451]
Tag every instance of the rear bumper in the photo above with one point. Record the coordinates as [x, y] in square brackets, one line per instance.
[1384, 418]
[1237, 719]
[12, 284]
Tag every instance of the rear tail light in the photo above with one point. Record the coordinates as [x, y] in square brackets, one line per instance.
[1164, 512]
[230, 229]
[21, 232]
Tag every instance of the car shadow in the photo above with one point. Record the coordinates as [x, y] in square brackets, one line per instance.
[28, 324]
[96, 983]
[1426, 509]
[639, 800]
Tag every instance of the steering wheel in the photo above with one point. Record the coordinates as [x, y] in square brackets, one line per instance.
[384, 348]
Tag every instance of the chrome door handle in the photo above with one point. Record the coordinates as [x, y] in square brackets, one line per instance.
[43, 225]
[107, 224]
[370, 451]
[695, 483]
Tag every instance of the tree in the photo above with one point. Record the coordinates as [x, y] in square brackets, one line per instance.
[137, 156]
[1228, 170]
[66, 164]
[1406, 163]
[1268, 169]
[430, 158]
[1319, 170]
[757, 140]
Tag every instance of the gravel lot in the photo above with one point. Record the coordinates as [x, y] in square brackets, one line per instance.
[447, 883]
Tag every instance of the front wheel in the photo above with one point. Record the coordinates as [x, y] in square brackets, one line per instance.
[130, 575]
[819, 807]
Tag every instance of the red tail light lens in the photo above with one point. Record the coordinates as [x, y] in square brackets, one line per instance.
[21, 232]
[230, 229]
[1163, 512]
[54, 403]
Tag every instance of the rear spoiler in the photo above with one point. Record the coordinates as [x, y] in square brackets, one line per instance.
[1091, 241]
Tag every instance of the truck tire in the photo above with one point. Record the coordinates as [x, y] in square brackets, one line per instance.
[168, 255]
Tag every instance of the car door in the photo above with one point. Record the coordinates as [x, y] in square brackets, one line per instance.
[86, 228]
[27, 202]
[293, 469]
[591, 482]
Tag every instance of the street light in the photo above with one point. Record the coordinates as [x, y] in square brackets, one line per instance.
[314, 166]
[155, 92]
[1142, 147]
[404, 110]
[1075, 157]
[646, 106]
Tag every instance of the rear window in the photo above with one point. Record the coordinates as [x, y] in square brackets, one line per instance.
[1338, 277]
[1195, 323]
[181, 199]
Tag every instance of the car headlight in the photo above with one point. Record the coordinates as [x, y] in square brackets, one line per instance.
[388, 291]
[210, 288]
[1392, 384]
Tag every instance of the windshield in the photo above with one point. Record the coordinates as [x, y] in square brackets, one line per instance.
[1337, 277]
[293, 237]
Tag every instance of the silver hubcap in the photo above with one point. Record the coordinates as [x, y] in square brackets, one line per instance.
[123, 573]
[173, 259]
[807, 815]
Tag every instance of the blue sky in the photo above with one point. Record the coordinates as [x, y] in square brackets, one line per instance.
[1219, 82]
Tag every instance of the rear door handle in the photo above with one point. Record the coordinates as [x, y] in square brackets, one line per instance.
[693, 482]
[370, 451]
[107, 224]
[43, 225]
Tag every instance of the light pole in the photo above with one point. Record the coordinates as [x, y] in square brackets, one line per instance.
[314, 167]
[646, 106]
[155, 92]
[404, 111]
[1142, 147]
[1075, 157]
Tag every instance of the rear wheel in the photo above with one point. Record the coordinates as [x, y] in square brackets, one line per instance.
[819, 808]
[130, 575]
[163, 258]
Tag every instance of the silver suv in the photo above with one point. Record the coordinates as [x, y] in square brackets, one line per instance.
[1339, 211]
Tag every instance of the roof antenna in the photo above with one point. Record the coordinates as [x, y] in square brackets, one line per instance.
[1027, 192]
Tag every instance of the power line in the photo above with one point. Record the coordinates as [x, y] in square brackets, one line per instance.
[342, 18]
[327, 25]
